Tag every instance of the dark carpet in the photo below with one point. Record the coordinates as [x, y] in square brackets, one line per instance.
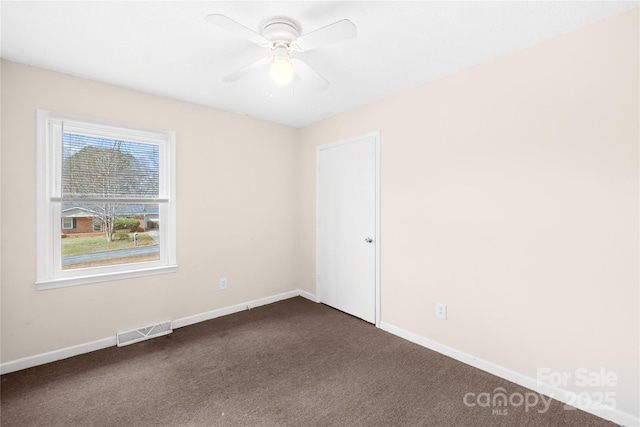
[291, 363]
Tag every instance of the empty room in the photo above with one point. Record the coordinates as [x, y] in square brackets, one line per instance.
[319, 213]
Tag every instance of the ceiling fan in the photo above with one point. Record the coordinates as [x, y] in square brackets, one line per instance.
[282, 36]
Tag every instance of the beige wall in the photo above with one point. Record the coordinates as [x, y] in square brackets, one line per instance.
[510, 192]
[235, 173]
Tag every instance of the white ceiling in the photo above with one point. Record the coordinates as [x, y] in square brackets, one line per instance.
[168, 49]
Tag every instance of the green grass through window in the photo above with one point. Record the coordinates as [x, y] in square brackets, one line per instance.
[90, 245]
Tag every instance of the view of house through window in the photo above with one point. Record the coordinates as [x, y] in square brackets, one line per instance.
[104, 217]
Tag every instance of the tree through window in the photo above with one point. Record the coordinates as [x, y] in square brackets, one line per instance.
[108, 170]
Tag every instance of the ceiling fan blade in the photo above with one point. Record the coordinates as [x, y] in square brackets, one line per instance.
[237, 75]
[332, 33]
[232, 26]
[309, 75]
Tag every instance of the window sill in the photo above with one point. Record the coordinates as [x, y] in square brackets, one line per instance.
[107, 277]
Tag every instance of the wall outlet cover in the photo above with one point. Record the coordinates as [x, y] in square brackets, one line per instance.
[441, 310]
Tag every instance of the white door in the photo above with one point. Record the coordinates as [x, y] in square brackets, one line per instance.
[347, 225]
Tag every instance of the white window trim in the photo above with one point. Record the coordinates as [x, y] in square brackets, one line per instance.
[49, 134]
[63, 223]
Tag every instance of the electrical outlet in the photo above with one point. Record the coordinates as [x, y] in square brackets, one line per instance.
[441, 310]
[222, 284]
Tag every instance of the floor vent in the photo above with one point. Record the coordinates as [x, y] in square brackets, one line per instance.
[136, 335]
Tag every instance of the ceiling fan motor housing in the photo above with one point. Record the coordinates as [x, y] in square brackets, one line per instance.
[280, 30]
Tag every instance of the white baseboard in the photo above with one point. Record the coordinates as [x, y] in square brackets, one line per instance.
[611, 414]
[186, 321]
[308, 296]
[52, 356]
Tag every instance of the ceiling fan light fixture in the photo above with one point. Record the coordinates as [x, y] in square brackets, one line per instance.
[282, 35]
[281, 68]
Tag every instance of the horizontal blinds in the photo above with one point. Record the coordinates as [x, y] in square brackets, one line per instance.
[106, 169]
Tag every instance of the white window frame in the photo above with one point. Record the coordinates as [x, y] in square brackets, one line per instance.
[50, 128]
[64, 226]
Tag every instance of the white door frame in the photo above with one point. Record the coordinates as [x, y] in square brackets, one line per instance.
[377, 239]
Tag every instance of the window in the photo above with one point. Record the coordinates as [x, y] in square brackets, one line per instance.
[98, 186]
[68, 223]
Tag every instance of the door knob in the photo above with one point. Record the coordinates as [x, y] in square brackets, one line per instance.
[368, 240]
